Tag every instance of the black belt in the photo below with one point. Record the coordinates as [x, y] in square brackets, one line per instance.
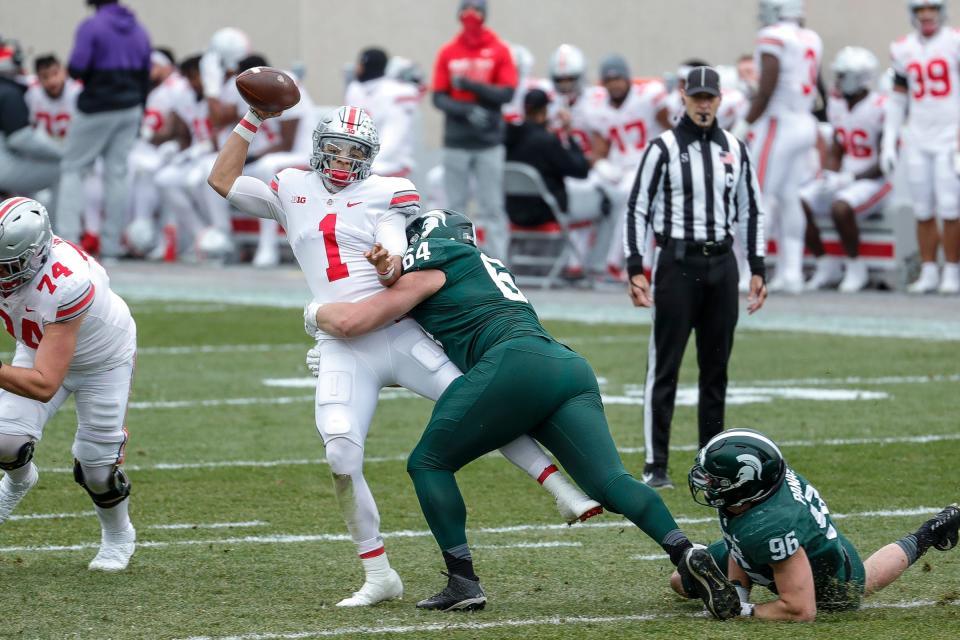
[689, 248]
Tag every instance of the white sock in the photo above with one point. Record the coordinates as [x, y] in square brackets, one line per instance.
[21, 474]
[555, 483]
[929, 271]
[951, 270]
[115, 519]
[376, 567]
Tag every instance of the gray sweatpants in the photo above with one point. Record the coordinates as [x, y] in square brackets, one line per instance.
[110, 135]
[486, 166]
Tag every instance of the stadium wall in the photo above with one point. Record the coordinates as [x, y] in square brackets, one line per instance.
[326, 35]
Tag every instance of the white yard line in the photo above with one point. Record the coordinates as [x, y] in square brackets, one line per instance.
[211, 525]
[296, 462]
[527, 545]
[414, 533]
[52, 516]
[548, 621]
[222, 348]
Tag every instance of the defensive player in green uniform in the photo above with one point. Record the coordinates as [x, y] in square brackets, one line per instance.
[777, 532]
[517, 380]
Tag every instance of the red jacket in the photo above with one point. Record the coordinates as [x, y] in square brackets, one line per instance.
[487, 60]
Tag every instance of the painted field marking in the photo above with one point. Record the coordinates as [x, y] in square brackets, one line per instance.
[51, 516]
[414, 533]
[211, 525]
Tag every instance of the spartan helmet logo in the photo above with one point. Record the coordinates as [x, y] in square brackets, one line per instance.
[432, 221]
[751, 469]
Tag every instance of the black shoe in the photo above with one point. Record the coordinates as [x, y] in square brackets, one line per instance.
[718, 594]
[461, 594]
[940, 531]
[657, 478]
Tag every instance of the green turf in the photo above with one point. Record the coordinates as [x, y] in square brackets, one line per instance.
[219, 587]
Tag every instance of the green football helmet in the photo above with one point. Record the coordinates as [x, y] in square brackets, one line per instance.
[736, 467]
[442, 223]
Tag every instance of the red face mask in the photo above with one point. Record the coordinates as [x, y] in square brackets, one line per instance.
[472, 21]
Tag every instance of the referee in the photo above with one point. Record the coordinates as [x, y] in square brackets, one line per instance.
[695, 184]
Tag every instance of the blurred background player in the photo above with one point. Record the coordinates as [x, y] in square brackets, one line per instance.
[621, 127]
[74, 336]
[29, 157]
[473, 77]
[851, 184]
[927, 85]
[111, 56]
[783, 131]
[523, 59]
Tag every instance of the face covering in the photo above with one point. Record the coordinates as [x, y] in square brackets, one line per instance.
[472, 23]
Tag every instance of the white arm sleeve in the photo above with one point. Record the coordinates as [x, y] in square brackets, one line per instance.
[391, 232]
[255, 198]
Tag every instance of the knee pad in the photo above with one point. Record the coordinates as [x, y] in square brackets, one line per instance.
[105, 494]
[20, 456]
[344, 456]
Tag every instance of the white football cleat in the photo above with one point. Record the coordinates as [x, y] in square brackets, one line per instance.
[12, 493]
[266, 256]
[578, 508]
[928, 282]
[950, 282]
[827, 274]
[115, 552]
[375, 590]
[856, 277]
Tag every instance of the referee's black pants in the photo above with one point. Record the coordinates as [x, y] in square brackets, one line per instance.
[690, 292]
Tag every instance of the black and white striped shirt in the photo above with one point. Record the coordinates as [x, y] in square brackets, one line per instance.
[695, 185]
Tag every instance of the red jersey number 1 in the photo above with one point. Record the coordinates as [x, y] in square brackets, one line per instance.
[336, 270]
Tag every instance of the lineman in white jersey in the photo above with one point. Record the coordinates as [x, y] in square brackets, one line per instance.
[927, 85]
[851, 183]
[783, 131]
[333, 214]
[634, 113]
[74, 336]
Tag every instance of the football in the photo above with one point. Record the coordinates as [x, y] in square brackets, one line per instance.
[267, 89]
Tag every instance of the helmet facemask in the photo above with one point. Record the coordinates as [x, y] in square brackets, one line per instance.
[714, 491]
[341, 161]
[25, 242]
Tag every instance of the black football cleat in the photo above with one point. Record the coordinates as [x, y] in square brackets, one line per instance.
[461, 594]
[718, 594]
[941, 531]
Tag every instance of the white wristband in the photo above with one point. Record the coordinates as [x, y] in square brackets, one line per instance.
[248, 126]
[386, 275]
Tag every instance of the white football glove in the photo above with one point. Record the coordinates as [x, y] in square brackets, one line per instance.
[313, 360]
[888, 159]
[310, 319]
[211, 74]
[607, 171]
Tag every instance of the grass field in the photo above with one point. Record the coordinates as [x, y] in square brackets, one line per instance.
[239, 534]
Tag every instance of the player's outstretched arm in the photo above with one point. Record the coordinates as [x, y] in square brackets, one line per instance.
[54, 355]
[797, 601]
[233, 155]
[351, 319]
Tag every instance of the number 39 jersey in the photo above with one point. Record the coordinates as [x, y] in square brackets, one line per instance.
[478, 307]
[71, 284]
[329, 232]
[799, 52]
[933, 82]
[774, 530]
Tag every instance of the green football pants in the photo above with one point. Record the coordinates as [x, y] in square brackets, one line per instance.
[534, 386]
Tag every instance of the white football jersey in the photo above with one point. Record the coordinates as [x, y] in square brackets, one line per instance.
[195, 113]
[933, 85]
[799, 52]
[162, 99]
[393, 105]
[53, 114]
[329, 232]
[590, 101]
[630, 127]
[858, 130]
[70, 284]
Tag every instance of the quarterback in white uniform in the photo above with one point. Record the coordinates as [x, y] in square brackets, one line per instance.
[634, 113]
[333, 214]
[783, 131]
[74, 336]
[851, 183]
[927, 85]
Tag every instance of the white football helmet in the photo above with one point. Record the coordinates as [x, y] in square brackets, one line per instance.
[523, 59]
[347, 133]
[25, 242]
[774, 11]
[213, 244]
[141, 236]
[854, 70]
[232, 45]
[913, 5]
[567, 61]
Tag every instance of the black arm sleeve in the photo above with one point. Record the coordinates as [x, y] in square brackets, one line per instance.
[13, 111]
[443, 101]
[490, 94]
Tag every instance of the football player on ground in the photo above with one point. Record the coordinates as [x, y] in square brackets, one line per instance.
[634, 113]
[927, 84]
[778, 533]
[332, 214]
[783, 131]
[518, 382]
[74, 336]
[851, 184]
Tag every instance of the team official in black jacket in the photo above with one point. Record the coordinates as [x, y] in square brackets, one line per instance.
[531, 143]
[695, 185]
